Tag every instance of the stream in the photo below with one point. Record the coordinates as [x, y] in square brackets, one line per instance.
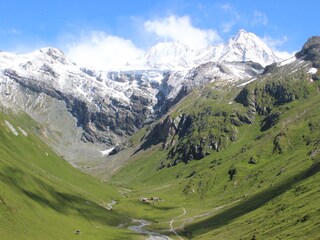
[152, 235]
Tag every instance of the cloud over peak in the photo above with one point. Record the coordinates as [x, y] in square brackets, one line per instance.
[103, 51]
[180, 29]
[99, 50]
[275, 43]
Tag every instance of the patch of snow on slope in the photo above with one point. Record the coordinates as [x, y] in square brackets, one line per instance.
[313, 71]
[243, 84]
[13, 130]
[287, 61]
[106, 152]
[23, 132]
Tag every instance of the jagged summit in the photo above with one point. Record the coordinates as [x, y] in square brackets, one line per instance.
[51, 51]
[54, 53]
[243, 34]
[246, 46]
[243, 47]
[34, 60]
[166, 55]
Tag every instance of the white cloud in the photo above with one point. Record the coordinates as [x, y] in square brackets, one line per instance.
[102, 51]
[181, 29]
[12, 31]
[227, 26]
[235, 18]
[284, 54]
[259, 18]
[226, 7]
[276, 43]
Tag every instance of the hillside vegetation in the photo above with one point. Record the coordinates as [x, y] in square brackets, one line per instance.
[43, 197]
[242, 162]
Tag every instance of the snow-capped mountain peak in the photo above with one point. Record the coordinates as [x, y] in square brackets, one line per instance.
[246, 46]
[108, 106]
[169, 55]
[243, 47]
[54, 53]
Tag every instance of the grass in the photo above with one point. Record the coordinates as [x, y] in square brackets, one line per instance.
[43, 197]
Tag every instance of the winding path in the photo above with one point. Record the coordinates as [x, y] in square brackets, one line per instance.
[188, 220]
[173, 219]
[208, 213]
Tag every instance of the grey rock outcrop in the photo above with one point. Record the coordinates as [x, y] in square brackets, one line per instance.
[311, 51]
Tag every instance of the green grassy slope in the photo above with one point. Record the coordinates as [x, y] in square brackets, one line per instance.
[43, 197]
[261, 185]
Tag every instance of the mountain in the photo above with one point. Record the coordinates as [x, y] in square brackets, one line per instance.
[243, 47]
[237, 161]
[169, 55]
[222, 150]
[281, 82]
[78, 105]
[97, 110]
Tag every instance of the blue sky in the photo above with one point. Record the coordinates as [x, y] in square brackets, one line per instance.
[124, 27]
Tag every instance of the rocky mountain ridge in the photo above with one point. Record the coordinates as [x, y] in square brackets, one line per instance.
[204, 127]
[106, 107]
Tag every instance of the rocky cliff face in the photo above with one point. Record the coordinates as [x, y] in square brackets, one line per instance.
[110, 106]
[182, 138]
[311, 51]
